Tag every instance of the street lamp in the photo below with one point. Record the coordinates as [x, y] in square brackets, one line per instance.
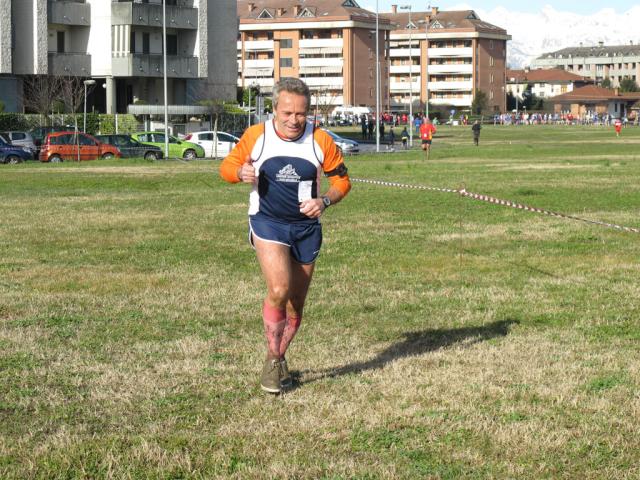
[86, 84]
[377, 80]
[164, 78]
[408, 7]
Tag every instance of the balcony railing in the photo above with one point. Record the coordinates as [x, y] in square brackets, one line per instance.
[69, 13]
[464, 85]
[69, 64]
[450, 68]
[450, 52]
[147, 65]
[150, 15]
[255, 45]
[320, 43]
[463, 101]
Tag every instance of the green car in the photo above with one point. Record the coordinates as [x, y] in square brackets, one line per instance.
[177, 148]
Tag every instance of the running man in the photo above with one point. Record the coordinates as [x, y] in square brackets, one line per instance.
[426, 134]
[283, 160]
[476, 127]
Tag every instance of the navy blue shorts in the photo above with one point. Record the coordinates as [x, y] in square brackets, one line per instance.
[303, 239]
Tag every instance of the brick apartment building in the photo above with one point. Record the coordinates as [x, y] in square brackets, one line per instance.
[450, 55]
[330, 44]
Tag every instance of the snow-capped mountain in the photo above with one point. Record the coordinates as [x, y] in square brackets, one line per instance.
[550, 30]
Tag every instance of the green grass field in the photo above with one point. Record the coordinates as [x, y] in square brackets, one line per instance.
[444, 338]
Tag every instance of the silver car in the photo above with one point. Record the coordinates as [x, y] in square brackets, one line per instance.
[346, 145]
[21, 139]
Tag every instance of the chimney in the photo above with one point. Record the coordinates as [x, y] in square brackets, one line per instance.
[434, 11]
[616, 92]
[251, 6]
[394, 8]
[601, 44]
[296, 10]
[280, 11]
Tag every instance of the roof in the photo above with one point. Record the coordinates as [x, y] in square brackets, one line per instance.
[550, 75]
[270, 11]
[595, 93]
[594, 51]
[449, 20]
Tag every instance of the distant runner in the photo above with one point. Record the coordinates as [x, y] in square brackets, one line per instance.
[426, 135]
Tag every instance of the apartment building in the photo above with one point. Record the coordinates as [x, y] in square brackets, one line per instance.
[119, 44]
[615, 62]
[445, 57]
[331, 45]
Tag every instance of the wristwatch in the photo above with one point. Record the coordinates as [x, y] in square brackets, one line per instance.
[326, 201]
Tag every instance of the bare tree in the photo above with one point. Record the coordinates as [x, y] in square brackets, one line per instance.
[325, 103]
[40, 91]
[72, 94]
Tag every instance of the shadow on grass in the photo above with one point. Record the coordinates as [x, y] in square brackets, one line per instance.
[414, 343]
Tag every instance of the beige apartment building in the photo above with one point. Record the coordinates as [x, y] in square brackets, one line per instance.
[119, 44]
[445, 57]
[330, 44]
[615, 62]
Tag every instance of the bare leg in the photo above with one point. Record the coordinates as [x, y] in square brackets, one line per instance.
[301, 279]
[275, 263]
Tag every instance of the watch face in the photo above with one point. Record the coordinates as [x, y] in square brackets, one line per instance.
[326, 201]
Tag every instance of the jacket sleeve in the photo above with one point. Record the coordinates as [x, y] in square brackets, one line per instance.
[333, 163]
[240, 154]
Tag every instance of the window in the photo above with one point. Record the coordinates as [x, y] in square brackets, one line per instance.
[286, 43]
[60, 42]
[286, 62]
[87, 141]
[132, 42]
[145, 43]
[490, 44]
[172, 45]
[265, 14]
[491, 78]
[491, 62]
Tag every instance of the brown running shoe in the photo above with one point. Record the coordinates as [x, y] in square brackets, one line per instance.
[270, 379]
[285, 376]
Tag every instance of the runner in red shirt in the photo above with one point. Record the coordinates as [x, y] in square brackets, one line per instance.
[426, 135]
[618, 126]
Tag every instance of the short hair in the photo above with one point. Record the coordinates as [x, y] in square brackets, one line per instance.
[291, 85]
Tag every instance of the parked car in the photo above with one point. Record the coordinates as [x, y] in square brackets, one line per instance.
[219, 145]
[129, 147]
[38, 134]
[13, 153]
[60, 146]
[177, 148]
[21, 139]
[346, 145]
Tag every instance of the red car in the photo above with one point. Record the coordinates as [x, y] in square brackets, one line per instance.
[61, 146]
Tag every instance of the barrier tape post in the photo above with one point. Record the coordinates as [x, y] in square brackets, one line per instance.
[506, 203]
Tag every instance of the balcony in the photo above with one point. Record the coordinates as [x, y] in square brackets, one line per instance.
[322, 62]
[268, 63]
[325, 82]
[150, 15]
[451, 86]
[413, 87]
[146, 65]
[464, 101]
[404, 52]
[69, 64]
[69, 13]
[462, 52]
[320, 43]
[404, 69]
[265, 83]
[258, 45]
[450, 68]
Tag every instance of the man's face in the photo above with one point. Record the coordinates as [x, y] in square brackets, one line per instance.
[291, 114]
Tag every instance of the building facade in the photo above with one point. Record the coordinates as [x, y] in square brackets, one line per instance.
[331, 45]
[596, 63]
[543, 83]
[119, 44]
[592, 99]
[445, 57]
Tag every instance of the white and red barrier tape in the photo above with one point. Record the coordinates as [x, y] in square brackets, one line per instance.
[507, 203]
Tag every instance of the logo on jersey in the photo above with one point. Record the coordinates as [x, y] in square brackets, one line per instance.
[288, 174]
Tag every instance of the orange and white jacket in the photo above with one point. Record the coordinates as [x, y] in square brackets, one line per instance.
[288, 171]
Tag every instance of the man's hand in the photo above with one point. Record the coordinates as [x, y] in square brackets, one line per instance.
[312, 207]
[247, 173]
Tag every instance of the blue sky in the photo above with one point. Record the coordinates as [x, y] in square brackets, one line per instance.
[583, 7]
